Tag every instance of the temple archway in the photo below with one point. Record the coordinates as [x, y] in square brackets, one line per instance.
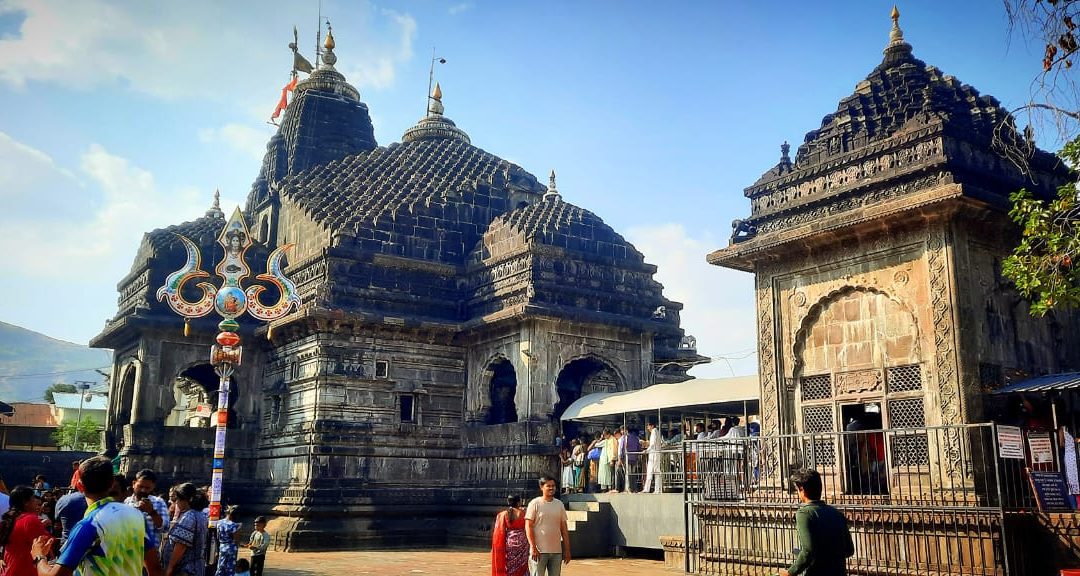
[194, 386]
[501, 390]
[126, 396]
[583, 376]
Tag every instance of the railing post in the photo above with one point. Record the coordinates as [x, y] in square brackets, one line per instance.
[1001, 500]
[685, 509]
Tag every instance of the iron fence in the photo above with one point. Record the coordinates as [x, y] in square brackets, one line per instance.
[920, 500]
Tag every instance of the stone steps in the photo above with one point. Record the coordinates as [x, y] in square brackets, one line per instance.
[589, 525]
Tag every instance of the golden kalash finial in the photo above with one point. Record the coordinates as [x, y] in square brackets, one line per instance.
[435, 105]
[896, 35]
[328, 57]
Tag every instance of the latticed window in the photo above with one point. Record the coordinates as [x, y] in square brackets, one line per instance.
[820, 451]
[817, 387]
[904, 378]
[909, 448]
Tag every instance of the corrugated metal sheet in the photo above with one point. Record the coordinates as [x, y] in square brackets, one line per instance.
[30, 414]
[1048, 383]
[70, 401]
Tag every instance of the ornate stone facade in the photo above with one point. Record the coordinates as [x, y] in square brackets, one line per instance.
[453, 308]
[877, 258]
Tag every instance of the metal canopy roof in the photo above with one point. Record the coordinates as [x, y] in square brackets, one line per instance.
[716, 395]
[1048, 383]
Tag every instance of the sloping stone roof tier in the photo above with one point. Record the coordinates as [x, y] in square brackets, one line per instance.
[440, 193]
[554, 222]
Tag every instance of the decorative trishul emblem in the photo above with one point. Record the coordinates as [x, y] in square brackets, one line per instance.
[231, 300]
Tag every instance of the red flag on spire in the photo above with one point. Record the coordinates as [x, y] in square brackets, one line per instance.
[284, 97]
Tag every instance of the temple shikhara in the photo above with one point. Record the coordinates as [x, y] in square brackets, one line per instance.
[453, 307]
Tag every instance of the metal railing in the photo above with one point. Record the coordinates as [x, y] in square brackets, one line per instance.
[919, 500]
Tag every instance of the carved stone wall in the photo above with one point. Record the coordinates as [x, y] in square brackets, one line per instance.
[854, 306]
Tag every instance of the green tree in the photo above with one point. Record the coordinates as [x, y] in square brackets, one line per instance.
[88, 436]
[58, 387]
[1042, 266]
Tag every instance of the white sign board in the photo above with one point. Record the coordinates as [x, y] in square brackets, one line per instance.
[1010, 442]
[203, 410]
[1042, 452]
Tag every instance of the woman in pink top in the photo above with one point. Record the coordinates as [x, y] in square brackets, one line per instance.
[18, 528]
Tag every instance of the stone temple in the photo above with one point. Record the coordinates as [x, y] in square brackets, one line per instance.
[453, 307]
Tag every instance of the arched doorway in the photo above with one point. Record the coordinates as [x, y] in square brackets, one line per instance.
[859, 369]
[501, 391]
[126, 397]
[578, 378]
[195, 386]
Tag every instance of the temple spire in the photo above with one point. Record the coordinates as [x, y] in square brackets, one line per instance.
[328, 56]
[896, 35]
[898, 50]
[435, 105]
[434, 125]
[552, 193]
[215, 210]
[785, 153]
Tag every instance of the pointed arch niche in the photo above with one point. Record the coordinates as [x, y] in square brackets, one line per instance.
[502, 387]
[858, 367]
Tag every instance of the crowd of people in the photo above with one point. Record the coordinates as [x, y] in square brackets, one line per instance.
[104, 523]
[622, 460]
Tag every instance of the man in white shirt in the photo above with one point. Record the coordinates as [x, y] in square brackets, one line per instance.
[652, 468]
[545, 527]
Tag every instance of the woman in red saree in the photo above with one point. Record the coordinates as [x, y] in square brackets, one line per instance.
[509, 546]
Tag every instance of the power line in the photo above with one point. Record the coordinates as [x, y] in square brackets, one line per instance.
[20, 376]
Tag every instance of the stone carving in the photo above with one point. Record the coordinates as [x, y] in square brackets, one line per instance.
[767, 371]
[844, 178]
[767, 357]
[941, 309]
[742, 230]
[859, 383]
[845, 203]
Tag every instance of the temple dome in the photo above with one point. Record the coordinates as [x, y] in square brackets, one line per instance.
[554, 222]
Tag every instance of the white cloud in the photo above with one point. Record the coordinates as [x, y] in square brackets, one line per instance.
[459, 8]
[23, 167]
[182, 49]
[241, 137]
[718, 302]
[375, 66]
[61, 256]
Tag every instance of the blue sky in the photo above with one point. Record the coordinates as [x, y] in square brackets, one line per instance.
[122, 117]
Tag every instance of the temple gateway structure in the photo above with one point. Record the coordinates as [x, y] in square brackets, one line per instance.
[883, 321]
[453, 307]
[877, 253]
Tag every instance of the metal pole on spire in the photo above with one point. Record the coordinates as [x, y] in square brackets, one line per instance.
[318, 36]
[431, 78]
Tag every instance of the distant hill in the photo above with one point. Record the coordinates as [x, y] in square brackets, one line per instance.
[30, 362]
